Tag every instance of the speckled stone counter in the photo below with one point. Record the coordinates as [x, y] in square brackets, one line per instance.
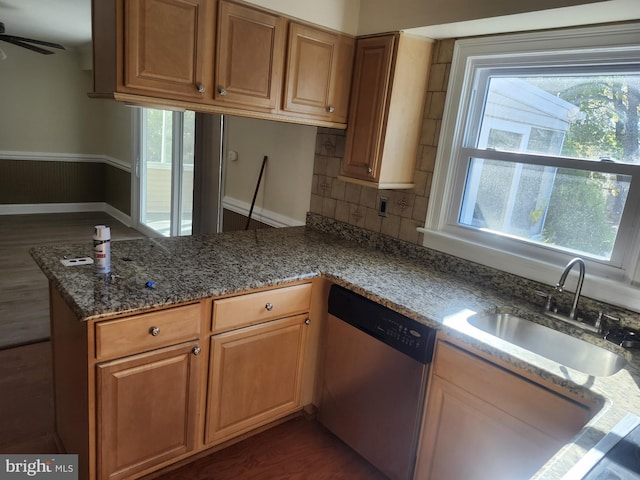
[435, 289]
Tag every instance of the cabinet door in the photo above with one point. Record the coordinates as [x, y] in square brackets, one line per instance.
[146, 409]
[254, 376]
[467, 438]
[249, 57]
[166, 48]
[371, 83]
[319, 65]
[482, 421]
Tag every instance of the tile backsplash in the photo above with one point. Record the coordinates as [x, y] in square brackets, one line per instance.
[358, 205]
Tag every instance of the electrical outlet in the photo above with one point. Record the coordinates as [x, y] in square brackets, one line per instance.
[382, 206]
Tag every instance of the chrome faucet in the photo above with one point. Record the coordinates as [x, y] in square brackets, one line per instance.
[563, 279]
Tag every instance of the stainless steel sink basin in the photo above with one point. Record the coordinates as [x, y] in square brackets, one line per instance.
[552, 344]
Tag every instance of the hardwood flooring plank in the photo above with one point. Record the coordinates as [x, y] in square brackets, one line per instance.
[24, 304]
[298, 449]
[26, 402]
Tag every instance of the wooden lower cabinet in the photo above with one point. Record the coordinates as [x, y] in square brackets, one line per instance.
[482, 421]
[146, 409]
[137, 393]
[255, 376]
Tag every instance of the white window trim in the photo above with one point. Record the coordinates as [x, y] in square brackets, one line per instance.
[614, 286]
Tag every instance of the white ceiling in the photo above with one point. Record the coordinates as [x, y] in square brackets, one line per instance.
[67, 22]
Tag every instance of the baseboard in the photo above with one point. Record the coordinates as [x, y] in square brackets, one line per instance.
[260, 214]
[118, 215]
[35, 208]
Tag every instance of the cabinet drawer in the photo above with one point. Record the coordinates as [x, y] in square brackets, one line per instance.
[115, 338]
[252, 308]
[549, 412]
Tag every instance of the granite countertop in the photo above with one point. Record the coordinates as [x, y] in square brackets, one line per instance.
[431, 288]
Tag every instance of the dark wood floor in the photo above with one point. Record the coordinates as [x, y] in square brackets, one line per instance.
[24, 304]
[26, 400]
[297, 449]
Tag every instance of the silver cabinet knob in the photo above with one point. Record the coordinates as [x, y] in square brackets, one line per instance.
[154, 331]
[269, 306]
[307, 321]
[330, 109]
[369, 170]
[222, 91]
[196, 351]
[201, 88]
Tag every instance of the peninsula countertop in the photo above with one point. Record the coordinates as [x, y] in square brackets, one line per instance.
[191, 268]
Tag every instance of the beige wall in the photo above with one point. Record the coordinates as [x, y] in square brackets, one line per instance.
[116, 127]
[286, 184]
[357, 205]
[45, 108]
[383, 15]
[44, 103]
[341, 15]
[46, 114]
[450, 18]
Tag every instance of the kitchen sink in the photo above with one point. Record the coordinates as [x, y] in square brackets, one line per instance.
[552, 344]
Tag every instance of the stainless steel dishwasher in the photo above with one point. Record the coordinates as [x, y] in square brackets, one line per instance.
[375, 371]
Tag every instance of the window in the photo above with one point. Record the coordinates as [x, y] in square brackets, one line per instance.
[165, 172]
[539, 157]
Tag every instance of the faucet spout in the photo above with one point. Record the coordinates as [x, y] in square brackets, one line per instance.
[563, 279]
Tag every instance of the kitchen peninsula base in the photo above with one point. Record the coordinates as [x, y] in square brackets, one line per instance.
[136, 393]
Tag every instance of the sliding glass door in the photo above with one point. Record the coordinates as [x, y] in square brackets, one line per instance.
[165, 171]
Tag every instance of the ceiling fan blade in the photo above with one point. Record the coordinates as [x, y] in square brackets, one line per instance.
[31, 40]
[28, 46]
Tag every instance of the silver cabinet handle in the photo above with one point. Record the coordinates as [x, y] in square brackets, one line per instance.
[307, 321]
[369, 170]
[269, 306]
[154, 331]
[201, 88]
[330, 109]
[196, 351]
[222, 91]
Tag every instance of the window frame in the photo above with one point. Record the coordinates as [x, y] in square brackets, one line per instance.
[609, 281]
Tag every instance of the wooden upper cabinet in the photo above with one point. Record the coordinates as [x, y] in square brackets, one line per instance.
[249, 57]
[166, 49]
[221, 57]
[385, 113]
[318, 78]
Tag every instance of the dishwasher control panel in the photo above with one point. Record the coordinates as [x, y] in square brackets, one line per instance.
[396, 330]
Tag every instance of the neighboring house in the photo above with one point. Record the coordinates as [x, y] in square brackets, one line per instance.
[519, 117]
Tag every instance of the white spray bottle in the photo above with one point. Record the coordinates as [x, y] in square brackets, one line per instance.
[102, 249]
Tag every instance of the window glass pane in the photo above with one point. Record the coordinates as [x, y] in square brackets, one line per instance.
[156, 163]
[569, 209]
[591, 117]
[504, 140]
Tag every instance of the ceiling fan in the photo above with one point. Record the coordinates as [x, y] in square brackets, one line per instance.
[27, 42]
